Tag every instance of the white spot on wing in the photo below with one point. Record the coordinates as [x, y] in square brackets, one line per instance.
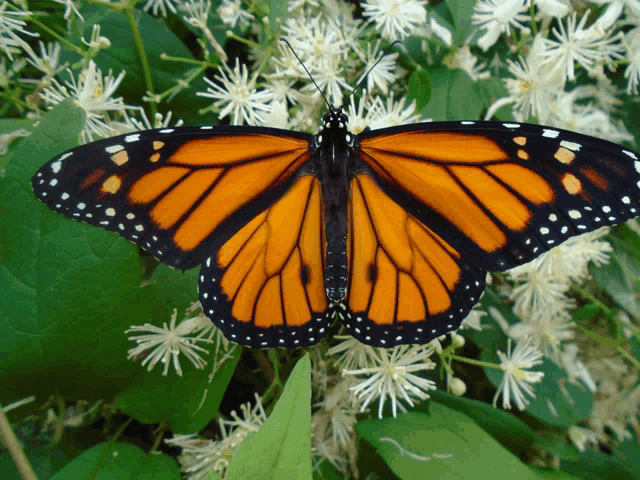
[570, 145]
[114, 148]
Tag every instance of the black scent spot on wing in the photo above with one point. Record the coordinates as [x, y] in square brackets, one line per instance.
[373, 273]
[304, 274]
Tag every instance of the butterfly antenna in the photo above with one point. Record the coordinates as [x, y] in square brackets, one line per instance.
[374, 66]
[305, 69]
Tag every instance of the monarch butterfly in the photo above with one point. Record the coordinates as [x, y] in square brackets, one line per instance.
[392, 229]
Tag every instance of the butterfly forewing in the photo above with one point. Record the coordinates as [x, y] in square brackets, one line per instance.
[176, 192]
[503, 193]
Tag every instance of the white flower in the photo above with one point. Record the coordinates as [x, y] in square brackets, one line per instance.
[328, 77]
[580, 437]
[554, 8]
[465, 60]
[575, 44]
[538, 292]
[391, 374]
[315, 40]
[517, 378]
[355, 354]
[278, 116]
[92, 92]
[384, 71]
[533, 88]
[395, 19]
[576, 370]
[614, 10]
[199, 456]
[336, 415]
[392, 112]
[239, 95]
[69, 7]
[48, 61]
[440, 31]
[197, 15]
[632, 72]
[10, 42]
[473, 320]
[231, 12]
[497, 17]
[161, 5]
[166, 343]
[546, 330]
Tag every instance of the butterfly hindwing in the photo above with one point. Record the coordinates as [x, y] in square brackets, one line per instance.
[405, 284]
[266, 286]
[176, 192]
[503, 193]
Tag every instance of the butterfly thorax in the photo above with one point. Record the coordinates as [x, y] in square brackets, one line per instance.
[335, 146]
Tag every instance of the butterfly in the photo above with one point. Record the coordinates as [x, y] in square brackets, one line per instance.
[391, 230]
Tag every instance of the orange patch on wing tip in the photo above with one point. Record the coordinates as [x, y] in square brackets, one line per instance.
[92, 178]
[522, 141]
[443, 146]
[595, 178]
[571, 184]
[120, 158]
[154, 158]
[523, 154]
[564, 155]
[157, 145]
[111, 184]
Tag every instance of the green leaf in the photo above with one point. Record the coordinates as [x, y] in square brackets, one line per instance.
[420, 87]
[45, 460]
[445, 443]
[12, 125]
[188, 402]
[552, 405]
[119, 461]
[454, 96]
[508, 429]
[277, 14]
[461, 11]
[68, 290]
[282, 447]
[620, 279]
[628, 452]
[552, 474]
[596, 466]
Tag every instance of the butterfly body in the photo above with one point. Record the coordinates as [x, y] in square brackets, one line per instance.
[336, 152]
[393, 230]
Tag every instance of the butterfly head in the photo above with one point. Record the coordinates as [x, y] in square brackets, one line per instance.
[335, 119]
[333, 130]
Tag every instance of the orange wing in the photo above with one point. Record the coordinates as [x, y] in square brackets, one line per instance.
[178, 193]
[405, 284]
[266, 287]
[503, 193]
